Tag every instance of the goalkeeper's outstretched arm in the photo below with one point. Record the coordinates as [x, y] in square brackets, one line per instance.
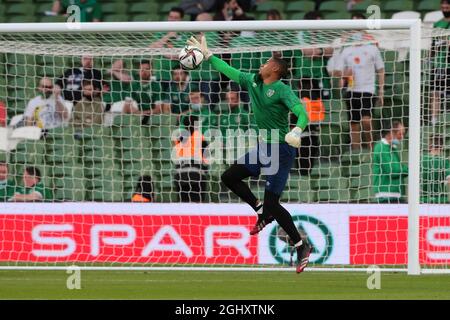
[217, 63]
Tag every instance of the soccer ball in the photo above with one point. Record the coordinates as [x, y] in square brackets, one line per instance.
[190, 58]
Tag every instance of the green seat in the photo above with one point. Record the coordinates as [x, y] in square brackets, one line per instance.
[332, 182]
[20, 19]
[325, 170]
[363, 169]
[25, 9]
[428, 5]
[355, 157]
[333, 195]
[165, 8]
[143, 7]
[336, 15]
[300, 6]
[145, 17]
[69, 189]
[362, 195]
[269, 5]
[362, 6]
[397, 5]
[333, 6]
[42, 8]
[115, 18]
[114, 8]
[360, 182]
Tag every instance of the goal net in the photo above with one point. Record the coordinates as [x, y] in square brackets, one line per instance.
[94, 171]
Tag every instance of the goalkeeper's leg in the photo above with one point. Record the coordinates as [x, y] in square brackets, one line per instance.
[233, 177]
[284, 219]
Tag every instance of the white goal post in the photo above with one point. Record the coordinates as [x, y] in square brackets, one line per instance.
[414, 27]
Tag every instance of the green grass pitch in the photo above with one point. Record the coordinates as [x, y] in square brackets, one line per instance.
[220, 285]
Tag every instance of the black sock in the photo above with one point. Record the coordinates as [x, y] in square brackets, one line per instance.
[273, 207]
[233, 177]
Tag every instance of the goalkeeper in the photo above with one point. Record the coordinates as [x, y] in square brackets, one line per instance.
[271, 102]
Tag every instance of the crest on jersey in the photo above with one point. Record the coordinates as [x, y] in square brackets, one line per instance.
[270, 92]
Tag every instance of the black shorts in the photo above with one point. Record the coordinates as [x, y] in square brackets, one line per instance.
[360, 104]
[440, 80]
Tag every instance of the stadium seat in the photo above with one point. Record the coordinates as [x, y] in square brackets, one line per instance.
[20, 19]
[268, 5]
[143, 7]
[115, 18]
[406, 15]
[336, 15]
[145, 17]
[333, 6]
[300, 6]
[115, 8]
[25, 9]
[165, 8]
[428, 5]
[362, 195]
[432, 17]
[397, 5]
[363, 5]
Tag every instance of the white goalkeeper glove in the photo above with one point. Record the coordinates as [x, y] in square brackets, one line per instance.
[202, 46]
[293, 138]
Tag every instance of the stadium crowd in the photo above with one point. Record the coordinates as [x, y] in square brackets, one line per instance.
[85, 95]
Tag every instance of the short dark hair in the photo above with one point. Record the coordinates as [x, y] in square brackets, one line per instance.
[284, 66]
[312, 15]
[33, 171]
[436, 141]
[445, 1]
[389, 126]
[179, 10]
[273, 12]
[97, 84]
[358, 15]
[145, 61]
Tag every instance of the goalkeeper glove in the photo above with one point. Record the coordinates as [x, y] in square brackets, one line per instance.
[294, 138]
[203, 46]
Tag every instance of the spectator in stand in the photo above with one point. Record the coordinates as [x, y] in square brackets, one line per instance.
[33, 188]
[191, 165]
[70, 82]
[6, 185]
[440, 54]
[47, 110]
[195, 7]
[362, 64]
[144, 190]
[273, 14]
[388, 171]
[227, 10]
[90, 110]
[435, 171]
[179, 89]
[176, 14]
[232, 115]
[136, 93]
[198, 108]
[90, 10]
[165, 63]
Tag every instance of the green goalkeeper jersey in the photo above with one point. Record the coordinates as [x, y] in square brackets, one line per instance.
[271, 103]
